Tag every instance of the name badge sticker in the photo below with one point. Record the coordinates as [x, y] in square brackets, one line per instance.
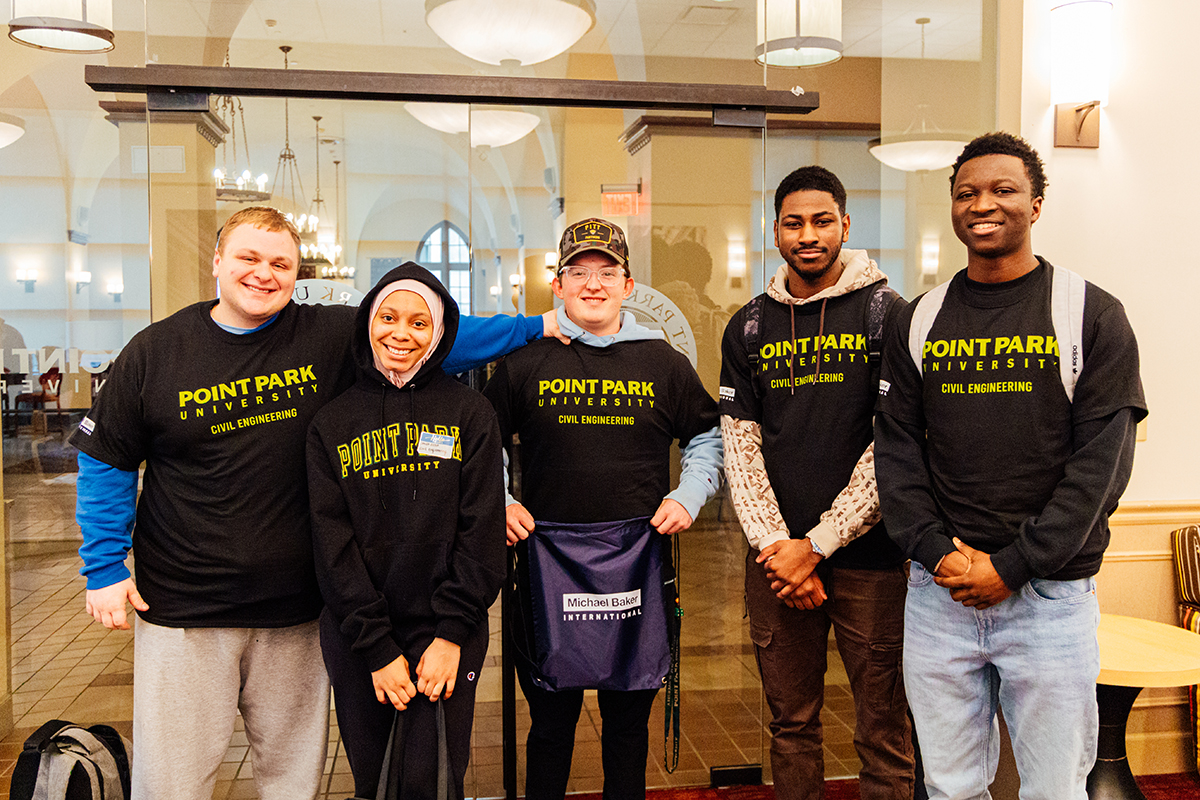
[435, 444]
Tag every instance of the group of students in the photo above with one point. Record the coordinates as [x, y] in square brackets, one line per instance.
[323, 504]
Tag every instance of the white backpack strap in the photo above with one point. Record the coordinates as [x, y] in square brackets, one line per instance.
[926, 311]
[55, 774]
[1067, 293]
[70, 746]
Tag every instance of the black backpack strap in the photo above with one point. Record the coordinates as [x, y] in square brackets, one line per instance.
[751, 331]
[882, 297]
[116, 745]
[39, 738]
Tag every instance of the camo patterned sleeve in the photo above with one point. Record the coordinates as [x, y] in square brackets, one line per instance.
[753, 498]
[854, 511]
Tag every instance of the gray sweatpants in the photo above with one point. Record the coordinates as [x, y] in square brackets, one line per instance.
[188, 684]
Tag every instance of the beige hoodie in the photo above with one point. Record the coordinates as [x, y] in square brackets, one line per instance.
[856, 508]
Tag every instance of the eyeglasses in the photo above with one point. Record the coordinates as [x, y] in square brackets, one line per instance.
[608, 276]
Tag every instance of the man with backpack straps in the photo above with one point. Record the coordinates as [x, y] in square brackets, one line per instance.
[798, 389]
[1004, 437]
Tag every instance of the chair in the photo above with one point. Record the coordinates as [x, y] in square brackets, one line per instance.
[1185, 549]
[51, 382]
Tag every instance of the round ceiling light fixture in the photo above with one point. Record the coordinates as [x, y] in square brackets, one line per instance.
[64, 26]
[520, 32]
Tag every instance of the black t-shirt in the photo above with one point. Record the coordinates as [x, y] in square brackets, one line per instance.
[998, 425]
[597, 423]
[222, 534]
[813, 437]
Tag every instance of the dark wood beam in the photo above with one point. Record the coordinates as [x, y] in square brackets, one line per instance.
[401, 87]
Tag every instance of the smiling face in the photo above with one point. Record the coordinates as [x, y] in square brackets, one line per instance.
[590, 304]
[993, 210]
[809, 233]
[256, 273]
[401, 331]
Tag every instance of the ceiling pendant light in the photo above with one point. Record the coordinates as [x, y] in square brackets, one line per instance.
[11, 129]
[231, 185]
[519, 32]
[489, 127]
[799, 33]
[288, 186]
[64, 26]
[922, 146]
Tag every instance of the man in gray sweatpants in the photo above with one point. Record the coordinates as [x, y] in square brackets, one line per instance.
[216, 401]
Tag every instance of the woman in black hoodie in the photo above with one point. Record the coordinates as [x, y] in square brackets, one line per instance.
[406, 488]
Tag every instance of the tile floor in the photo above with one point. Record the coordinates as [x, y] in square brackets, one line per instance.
[66, 666]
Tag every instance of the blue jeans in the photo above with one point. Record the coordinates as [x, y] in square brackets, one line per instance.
[1035, 655]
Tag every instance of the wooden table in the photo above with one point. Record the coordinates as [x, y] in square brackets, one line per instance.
[1134, 654]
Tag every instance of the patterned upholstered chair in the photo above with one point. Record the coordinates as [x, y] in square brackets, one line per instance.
[1185, 547]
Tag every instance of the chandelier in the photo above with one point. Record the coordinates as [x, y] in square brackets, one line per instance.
[288, 185]
[232, 187]
[323, 244]
[336, 270]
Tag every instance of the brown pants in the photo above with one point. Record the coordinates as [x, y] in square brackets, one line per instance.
[866, 610]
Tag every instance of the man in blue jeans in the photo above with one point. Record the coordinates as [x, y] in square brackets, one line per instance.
[1004, 437]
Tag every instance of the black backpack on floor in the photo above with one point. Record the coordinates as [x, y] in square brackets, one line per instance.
[63, 761]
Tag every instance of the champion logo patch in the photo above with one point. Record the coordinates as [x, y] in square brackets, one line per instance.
[728, 392]
[470, 676]
[884, 386]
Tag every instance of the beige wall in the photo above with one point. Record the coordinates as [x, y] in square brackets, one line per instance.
[1119, 215]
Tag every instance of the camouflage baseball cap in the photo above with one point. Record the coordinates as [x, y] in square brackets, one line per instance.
[593, 234]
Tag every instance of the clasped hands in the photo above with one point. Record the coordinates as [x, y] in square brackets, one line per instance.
[436, 672]
[969, 575]
[789, 565]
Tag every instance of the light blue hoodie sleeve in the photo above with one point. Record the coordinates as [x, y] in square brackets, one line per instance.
[481, 340]
[105, 507]
[700, 477]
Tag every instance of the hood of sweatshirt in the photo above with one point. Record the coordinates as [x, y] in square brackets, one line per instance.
[630, 331]
[363, 355]
[858, 271]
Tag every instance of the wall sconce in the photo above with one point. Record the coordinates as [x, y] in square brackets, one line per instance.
[930, 259]
[1081, 40]
[551, 265]
[115, 287]
[82, 279]
[517, 281]
[27, 276]
[736, 262]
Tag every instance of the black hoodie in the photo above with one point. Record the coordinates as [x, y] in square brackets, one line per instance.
[405, 539]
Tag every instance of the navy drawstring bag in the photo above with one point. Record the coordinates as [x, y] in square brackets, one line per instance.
[598, 594]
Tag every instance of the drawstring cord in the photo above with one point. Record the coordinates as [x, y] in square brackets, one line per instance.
[820, 338]
[820, 335]
[382, 424]
[412, 415]
[792, 357]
